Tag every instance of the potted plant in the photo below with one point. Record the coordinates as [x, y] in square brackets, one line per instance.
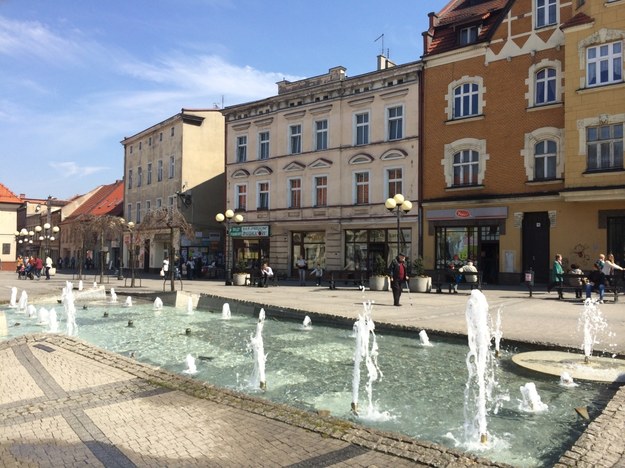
[419, 280]
[379, 280]
[240, 275]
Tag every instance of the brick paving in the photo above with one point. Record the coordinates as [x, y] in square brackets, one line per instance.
[64, 402]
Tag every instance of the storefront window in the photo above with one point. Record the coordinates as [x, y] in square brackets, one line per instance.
[363, 245]
[312, 245]
[460, 243]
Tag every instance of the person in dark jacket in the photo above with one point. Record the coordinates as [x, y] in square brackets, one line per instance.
[596, 281]
[399, 276]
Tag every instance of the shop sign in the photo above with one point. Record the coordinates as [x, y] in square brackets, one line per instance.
[495, 212]
[249, 231]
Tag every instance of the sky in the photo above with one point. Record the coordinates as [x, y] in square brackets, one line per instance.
[78, 76]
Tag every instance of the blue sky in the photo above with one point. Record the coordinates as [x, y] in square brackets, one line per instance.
[77, 76]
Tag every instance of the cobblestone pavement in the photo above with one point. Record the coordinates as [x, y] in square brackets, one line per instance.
[66, 403]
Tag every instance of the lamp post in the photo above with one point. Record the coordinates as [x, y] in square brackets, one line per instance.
[131, 228]
[227, 219]
[21, 237]
[48, 234]
[400, 206]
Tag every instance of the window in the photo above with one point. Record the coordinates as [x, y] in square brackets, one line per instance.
[138, 220]
[395, 122]
[129, 178]
[160, 136]
[605, 147]
[263, 195]
[129, 211]
[467, 35]
[240, 197]
[149, 175]
[295, 139]
[361, 186]
[321, 135]
[159, 173]
[170, 201]
[263, 145]
[150, 141]
[295, 193]
[362, 128]
[466, 98]
[546, 86]
[604, 64]
[140, 146]
[172, 131]
[139, 176]
[546, 12]
[6, 249]
[242, 148]
[466, 167]
[159, 203]
[321, 190]
[545, 153]
[394, 177]
[171, 167]
[148, 206]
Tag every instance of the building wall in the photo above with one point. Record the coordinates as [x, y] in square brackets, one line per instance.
[8, 221]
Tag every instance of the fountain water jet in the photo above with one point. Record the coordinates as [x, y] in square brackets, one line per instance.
[53, 324]
[307, 324]
[191, 367]
[31, 311]
[70, 309]
[592, 322]
[225, 311]
[424, 339]
[128, 302]
[497, 333]
[13, 301]
[23, 301]
[113, 295]
[531, 400]
[80, 286]
[190, 305]
[158, 303]
[258, 347]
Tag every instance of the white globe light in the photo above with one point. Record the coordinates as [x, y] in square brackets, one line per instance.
[56, 229]
[406, 206]
[51, 238]
[229, 214]
[24, 232]
[40, 238]
[37, 228]
[220, 218]
[238, 218]
[399, 198]
[46, 226]
[390, 204]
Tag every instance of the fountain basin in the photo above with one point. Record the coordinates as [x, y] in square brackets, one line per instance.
[597, 369]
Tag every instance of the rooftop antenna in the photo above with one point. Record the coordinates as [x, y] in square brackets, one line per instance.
[381, 36]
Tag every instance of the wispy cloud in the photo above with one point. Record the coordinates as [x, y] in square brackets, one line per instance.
[73, 169]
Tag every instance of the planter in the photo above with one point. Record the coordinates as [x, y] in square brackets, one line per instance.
[240, 279]
[379, 283]
[420, 284]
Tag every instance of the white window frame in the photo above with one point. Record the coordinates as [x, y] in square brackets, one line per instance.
[172, 166]
[240, 191]
[357, 184]
[450, 97]
[259, 194]
[264, 145]
[466, 100]
[472, 167]
[459, 145]
[320, 130]
[294, 192]
[609, 59]
[468, 35]
[295, 138]
[241, 148]
[543, 158]
[317, 186]
[394, 123]
[531, 82]
[361, 122]
[549, 9]
[389, 179]
[604, 145]
[529, 148]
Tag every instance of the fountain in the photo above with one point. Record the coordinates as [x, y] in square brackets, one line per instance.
[592, 322]
[43, 317]
[307, 324]
[158, 303]
[424, 339]
[497, 333]
[113, 296]
[478, 390]
[4, 329]
[13, 301]
[80, 287]
[23, 301]
[189, 305]
[531, 402]
[258, 347]
[31, 311]
[566, 380]
[191, 367]
[70, 309]
[225, 311]
[95, 285]
[128, 302]
[53, 324]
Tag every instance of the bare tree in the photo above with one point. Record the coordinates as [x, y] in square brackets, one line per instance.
[168, 218]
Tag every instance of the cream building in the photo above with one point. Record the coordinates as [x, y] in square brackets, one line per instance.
[311, 167]
[179, 161]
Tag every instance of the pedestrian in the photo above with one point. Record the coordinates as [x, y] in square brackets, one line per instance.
[302, 266]
[48, 266]
[317, 272]
[556, 275]
[399, 276]
[38, 267]
[266, 273]
[596, 281]
[577, 283]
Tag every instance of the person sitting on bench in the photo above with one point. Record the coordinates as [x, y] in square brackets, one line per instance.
[266, 273]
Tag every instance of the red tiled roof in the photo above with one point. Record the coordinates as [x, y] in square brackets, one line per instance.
[107, 200]
[580, 18]
[6, 196]
[444, 33]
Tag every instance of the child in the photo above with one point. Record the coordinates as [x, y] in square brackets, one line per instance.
[576, 282]
[318, 272]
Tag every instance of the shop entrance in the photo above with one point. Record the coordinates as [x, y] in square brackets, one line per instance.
[536, 245]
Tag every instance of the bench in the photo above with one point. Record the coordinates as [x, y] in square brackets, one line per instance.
[255, 278]
[569, 283]
[448, 277]
[349, 278]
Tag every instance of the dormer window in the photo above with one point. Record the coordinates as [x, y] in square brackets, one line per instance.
[467, 35]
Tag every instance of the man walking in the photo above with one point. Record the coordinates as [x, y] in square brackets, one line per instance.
[399, 276]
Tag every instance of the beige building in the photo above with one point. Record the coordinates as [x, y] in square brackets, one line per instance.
[311, 167]
[178, 162]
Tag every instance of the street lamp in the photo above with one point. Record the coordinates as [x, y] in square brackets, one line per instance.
[131, 228]
[47, 234]
[227, 219]
[400, 206]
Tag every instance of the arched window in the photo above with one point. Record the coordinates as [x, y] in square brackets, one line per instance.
[545, 160]
[546, 86]
[466, 99]
[466, 167]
